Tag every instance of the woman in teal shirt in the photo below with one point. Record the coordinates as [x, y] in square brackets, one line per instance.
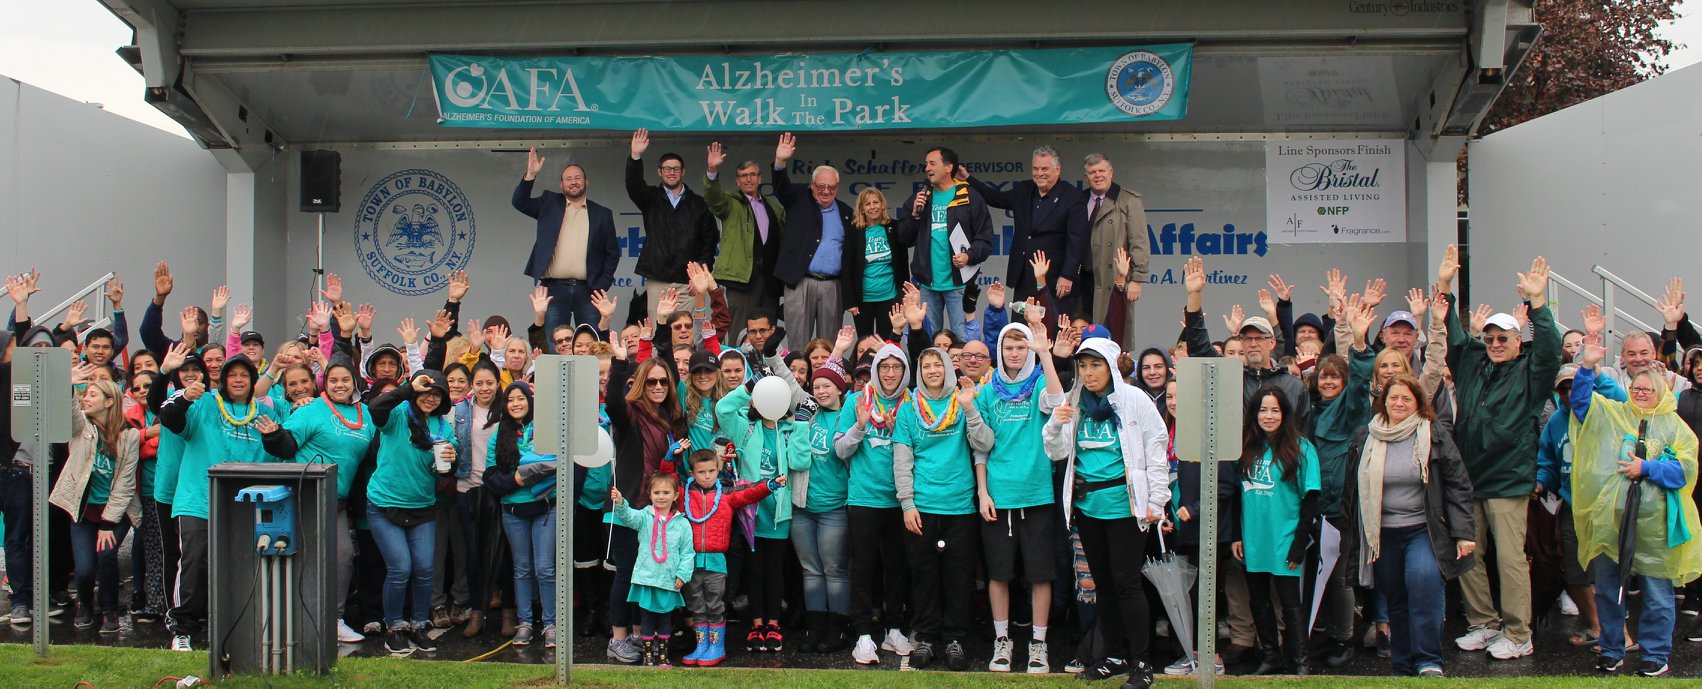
[819, 478]
[761, 446]
[400, 497]
[335, 429]
[528, 518]
[1279, 504]
[883, 264]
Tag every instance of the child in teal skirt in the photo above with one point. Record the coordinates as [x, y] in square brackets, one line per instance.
[662, 568]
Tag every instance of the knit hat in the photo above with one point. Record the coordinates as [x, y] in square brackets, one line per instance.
[833, 373]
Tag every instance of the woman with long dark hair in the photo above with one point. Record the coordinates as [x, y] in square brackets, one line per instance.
[400, 497]
[528, 516]
[1279, 505]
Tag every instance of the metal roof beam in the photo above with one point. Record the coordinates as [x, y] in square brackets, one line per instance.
[156, 25]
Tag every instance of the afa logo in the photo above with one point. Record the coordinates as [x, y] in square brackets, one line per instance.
[412, 230]
[1140, 83]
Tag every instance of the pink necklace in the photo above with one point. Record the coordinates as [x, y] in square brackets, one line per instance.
[659, 534]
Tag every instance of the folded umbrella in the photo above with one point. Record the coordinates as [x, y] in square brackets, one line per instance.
[1173, 577]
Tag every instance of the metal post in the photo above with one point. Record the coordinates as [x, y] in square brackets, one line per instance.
[319, 260]
[39, 468]
[1206, 633]
[565, 501]
[1609, 292]
[277, 629]
[289, 616]
[265, 585]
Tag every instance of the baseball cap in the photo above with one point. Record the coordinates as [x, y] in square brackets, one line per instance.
[1093, 331]
[1401, 317]
[1502, 321]
[254, 337]
[702, 360]
[1258, 323]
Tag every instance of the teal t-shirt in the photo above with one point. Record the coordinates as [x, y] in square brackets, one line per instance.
[524, 445]
[1099, 457]
[939, 242]
[700, 428]
[403, 476]
[323, 439]
[877, 269]
[207, 440]
[768, 465]
[829, 475]
[595, 494]
[100, 479]
[870, 481]
[1270, 511]
[1018, 472]
[167, 459]
[944, 472]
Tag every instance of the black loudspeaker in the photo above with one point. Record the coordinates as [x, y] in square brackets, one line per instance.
[321, 184]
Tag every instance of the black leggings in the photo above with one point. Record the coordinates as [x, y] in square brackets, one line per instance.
[655, 624]
[877, 560]
[1264, 616]
[871, 319]
[1114, 548]
[763, 579]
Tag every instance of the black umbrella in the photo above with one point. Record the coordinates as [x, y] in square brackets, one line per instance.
[1628, 521]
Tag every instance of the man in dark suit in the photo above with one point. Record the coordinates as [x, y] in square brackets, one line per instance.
[1050, 217]
[812, 249]
[575, 253]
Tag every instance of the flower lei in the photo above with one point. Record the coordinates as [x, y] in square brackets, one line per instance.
[880, 415]
[360, 415]
[659, 534]
[1018, 392]
[929, 421]
[706, 515]
[253, 410]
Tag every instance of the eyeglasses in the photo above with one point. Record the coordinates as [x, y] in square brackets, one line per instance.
[656, 382]
[825, 187]
[750, 173]
[563, 340]
[972, 356]
[1255, 338]
[680, 326]
[761, 331]
[1497, 339]
[1638, 390]
[671, 168]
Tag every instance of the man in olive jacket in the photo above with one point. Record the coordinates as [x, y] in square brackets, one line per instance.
[751, 226]
[1500, 395]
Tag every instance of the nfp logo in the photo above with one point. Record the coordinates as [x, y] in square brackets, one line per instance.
[413, 229]
[1140, 83]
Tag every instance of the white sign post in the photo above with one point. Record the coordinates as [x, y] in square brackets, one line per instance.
[1351, 191]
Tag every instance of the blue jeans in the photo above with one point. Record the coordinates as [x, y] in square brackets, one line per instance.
[1407, 574]
[16, 507]
[1654, 626]
[407, 553]
[570, 305]
[532, 544]
[951, 303]
[90, 564]
[822, 540]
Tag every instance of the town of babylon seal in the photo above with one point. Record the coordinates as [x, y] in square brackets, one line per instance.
[412, 230]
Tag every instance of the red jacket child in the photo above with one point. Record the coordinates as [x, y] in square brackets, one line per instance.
[712, 524]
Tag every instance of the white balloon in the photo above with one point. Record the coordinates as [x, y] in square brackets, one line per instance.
[771, 397]
[605, 452]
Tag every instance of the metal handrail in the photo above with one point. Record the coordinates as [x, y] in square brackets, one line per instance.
[100, 317]
[1612, 286]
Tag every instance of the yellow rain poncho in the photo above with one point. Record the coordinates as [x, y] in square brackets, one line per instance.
[1667, 546]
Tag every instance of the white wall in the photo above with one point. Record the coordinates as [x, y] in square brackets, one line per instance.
[1208, 184]
[1612, 181]
[84, 191]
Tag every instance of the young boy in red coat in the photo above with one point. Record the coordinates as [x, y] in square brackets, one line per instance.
[711, 508]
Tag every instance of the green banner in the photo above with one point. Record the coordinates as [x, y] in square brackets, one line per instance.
[826, 92]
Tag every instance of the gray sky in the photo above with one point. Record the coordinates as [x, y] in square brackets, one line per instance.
[66, 46]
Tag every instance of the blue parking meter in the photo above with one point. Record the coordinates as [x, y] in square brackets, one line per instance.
[274, 519]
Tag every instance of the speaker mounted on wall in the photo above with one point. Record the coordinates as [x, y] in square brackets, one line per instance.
[321, 181]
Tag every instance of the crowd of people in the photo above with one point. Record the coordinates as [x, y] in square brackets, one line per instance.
[938, 463]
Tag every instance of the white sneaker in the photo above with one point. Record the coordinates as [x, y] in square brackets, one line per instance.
[1002, 649]
[1477, 638]
[1182, 666]
[895, 642]
[1567, 605]
[181, 644]
[865, 653]
[346, 635]
[1505, 649]
[1038, 663]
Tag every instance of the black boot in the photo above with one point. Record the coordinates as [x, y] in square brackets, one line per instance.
[815, 625]
[1270, 662]
[837, 636]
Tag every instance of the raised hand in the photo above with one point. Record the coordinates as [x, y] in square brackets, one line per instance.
[843, 342]
[1268, 304]
[266, 425]
[1068, 339]
[1035, 314]
[668, 302]
[1375, 291]
[18, 289]
[1282, 290]
[1671, 304]
[1448, 268]
[115, 293]
[1533, 285]
[701, 278]
[1480, 317]
[345, 314]
[863, 413]
[162, 281]
[784, 150]
[319, 317]
[420, 383]
[604, 304]
[1234, 319]
[534, 164]
[914, 311]
[76, 315]
[1439, 307]
[646, 329]
[540, 302]
[240, 319]
[499, 338]
[1593, 351]
[1194, 275]
[82, 373]
[965, 391]
[996, 295]
[1360, 315]
[363, 319]
[1122, 263]
[458, 286]
[1522, 315]
[410, 334]
[640, 143]
[189, 321]
[716, 157]
[220, 299]
[1335, 286]
[439, 325]
[333, 291]
[1039, 342]
[895, 316]
[175, 356]
[1417, 303]
[1041, 265]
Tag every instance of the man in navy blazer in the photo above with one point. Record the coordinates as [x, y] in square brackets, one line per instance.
[1051, 217]
[575, 253]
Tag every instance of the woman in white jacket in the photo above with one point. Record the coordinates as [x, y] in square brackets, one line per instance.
[1115, 487]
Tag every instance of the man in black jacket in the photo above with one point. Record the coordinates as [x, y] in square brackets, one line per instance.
[812, 249]
[927, 222]
[678, 228]
[1050, 217]
[575, 253]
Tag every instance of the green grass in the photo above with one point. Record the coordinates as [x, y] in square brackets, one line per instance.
[108, 667]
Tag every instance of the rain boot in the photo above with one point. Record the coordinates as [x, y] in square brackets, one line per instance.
[702, 645]
[815, 626]
[1271, 661]
[510, 620]
[475, 623]
[648, 647]
[716, 651]
[838, 635]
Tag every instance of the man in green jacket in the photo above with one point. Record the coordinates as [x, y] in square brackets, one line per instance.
[1500, 393]
[750, 237]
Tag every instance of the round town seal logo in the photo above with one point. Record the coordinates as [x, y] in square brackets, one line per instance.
[1140, 83]
[413, 229]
